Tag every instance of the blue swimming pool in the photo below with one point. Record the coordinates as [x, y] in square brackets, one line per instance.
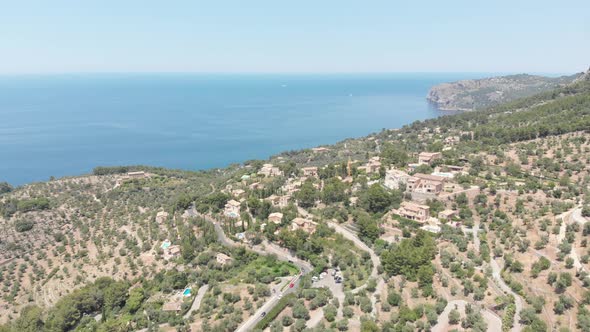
[187, 292]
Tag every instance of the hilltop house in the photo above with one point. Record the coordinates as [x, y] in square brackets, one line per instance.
[278, 201]
[425, 183]
[232, 209]
[238, 193]
[394, 178]
[161, 217]
[305, 224]
[427, 158]
[136, 175]
[172, 306]
[269, 170]
[372, 166]
[413, 211]
[447, 215]
[275, 217]
[223, 259]
[171, 252]
[310, 171]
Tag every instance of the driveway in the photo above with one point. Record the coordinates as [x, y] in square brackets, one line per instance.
[197, 302]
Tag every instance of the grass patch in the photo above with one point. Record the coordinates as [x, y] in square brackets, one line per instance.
[265, 269]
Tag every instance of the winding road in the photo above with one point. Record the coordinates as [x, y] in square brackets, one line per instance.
[265, 249]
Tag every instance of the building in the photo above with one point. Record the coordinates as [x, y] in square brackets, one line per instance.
[426, 158]
[269, 170]
[161, 217]
[278, 201]
[394, 178]
[372, 166]
[136, 175]
[310, 171]
[172, 306]
[425, 183]
[275, 217]
[306, 225]
[238, 193]
[413, 211]
[447, 215]
[452, 140]
[232, 209]
[223, 259]
[320, 149]
[171, 252]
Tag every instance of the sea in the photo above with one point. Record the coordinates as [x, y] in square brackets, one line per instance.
[63, 125]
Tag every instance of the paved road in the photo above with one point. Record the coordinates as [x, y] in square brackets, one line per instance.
[266, 307]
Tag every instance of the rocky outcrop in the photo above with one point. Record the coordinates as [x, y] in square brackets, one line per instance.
[468, 95]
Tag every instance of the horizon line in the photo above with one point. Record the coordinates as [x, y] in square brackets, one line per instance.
[74, 73]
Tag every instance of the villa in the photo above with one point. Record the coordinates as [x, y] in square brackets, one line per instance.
[278, 201]
[306, 225]
[394, 178]
[238, 193]
[447, 215]
[372, 166]
[172, 306]
[161, 217]
[223, 259]
[427, 158]
[320, 149]
[136, 175]
[413, 211]
[425, 183]
[232, 209]
[310, 171]
[275, 217]
[269, 170]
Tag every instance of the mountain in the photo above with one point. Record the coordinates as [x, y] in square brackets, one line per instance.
[469, 95]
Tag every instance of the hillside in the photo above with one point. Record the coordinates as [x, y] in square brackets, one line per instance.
[472, 222]
[469, 95]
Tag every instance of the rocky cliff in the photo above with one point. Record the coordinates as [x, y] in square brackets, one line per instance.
[468, 95]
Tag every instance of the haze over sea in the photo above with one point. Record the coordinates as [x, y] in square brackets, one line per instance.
[58, 125]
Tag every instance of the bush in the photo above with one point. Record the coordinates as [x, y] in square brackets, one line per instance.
[23, 225]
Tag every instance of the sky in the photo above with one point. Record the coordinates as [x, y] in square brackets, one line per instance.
[303, 36]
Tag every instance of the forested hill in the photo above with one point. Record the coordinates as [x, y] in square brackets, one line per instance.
[470, 95]
[555, 112]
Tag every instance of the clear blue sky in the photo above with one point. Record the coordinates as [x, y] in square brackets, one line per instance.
[48, 36]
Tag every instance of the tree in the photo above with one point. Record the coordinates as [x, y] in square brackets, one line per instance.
[376, 199]
[409, 256]
[300, 311]
[368, 325]
[334, 191]
[454, 317]
[30, 319]
[368, 227]
[330, 312]
[394, 155]
[307, 195]
[5, 187]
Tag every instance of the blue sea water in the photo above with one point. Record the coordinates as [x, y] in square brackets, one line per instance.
[57, 125]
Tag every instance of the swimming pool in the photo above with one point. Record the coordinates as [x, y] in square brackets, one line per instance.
[187, 292]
